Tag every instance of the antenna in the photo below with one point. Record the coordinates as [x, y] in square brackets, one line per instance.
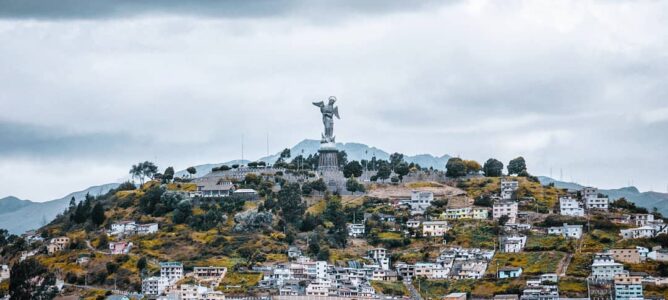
[267, 143]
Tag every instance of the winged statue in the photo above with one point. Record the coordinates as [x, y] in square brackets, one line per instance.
[328, 112]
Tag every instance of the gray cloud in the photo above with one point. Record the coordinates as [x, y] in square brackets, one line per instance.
[561, 84]
[100, 9]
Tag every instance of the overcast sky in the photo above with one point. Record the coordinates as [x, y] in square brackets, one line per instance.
[89, 87]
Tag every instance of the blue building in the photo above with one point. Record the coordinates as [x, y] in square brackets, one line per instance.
[509, 272]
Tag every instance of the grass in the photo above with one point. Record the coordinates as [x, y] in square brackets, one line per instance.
[487, 288]
[549, 243]
[580, 265]
[236, 283]
[390, 236]
[573, 287]
[473, 234]
[531, 262]
[423, 184]
[317, 208]
[392, 288]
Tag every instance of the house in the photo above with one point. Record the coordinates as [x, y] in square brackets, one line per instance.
[213, 187]
[379, 255]
[569, 231]
[294, 252]
[419, 201]
[640, 219]
[413, 223]
[58, 244]
[505, 208]
[597, 203]
[455, 296]
[628, 287]
[210, 274]
[120, 247]
[509, 272]
[384, 275]
[247, 194]
[570, 207]
[512, 244]
[405, 270]
[150, 228]
[604, 267]
[508, 188]
[459, 213]
[387, 218]
[646, 231]
[589, 192]
[356, 230]
[431, 270]
[153, 286]
[506, 297]
[83, 259]
[123, 227]
[658, 255]
[630, 255]
[434, 228]
[480, 213]
[171, 271]
[4, 272]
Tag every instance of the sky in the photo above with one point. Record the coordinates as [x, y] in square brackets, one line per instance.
[90, 87]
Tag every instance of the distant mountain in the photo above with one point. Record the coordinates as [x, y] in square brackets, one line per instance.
[647, 200]
[11, 203]
[355, 151]
[19, 216]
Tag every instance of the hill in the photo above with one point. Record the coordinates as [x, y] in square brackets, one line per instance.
[647, 200]
[18, 216]
[355, 151]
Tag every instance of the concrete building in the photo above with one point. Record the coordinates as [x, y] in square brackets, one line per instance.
[116, 248]
[512, 244]
[434, 228]
[628, 287]
[455, 296]
[604, 267]
[505, 208]
[508, 188]
[58, 244]
[658, 255]
[631, 255]
[569, 231]
[646, 231]
[213, 187]
[509, 272]
[149, 228]
[123, 227]
[570, 207]
[597, 203]
[171, 271]
[356, 230]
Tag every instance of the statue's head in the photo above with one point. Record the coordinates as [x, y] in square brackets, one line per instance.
[332, 99]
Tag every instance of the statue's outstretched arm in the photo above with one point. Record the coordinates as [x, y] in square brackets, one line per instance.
[319, 104]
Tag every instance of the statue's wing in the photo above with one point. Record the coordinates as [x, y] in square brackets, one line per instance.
[319, 104]
[336, 112]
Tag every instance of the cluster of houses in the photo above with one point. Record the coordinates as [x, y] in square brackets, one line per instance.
[169, 286]
[588, 198]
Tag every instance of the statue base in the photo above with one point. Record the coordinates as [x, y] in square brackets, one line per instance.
[328, 158]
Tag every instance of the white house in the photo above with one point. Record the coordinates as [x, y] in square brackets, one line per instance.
[419, 202]
[508, 187]
[569, 231]
[171, 271]
[123, 227]
[640, 232]
[597, 203]
[153, 286]
[505, 208]
[434, 228]
[4, 272]
[513, 244]
[605, 267]
[570, 207]
[213, 187]
[149, 228]
[413, 223]
[356, 230]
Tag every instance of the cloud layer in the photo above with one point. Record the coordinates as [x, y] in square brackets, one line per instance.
[575, 86]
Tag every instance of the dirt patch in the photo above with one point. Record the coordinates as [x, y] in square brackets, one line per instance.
[403, 191]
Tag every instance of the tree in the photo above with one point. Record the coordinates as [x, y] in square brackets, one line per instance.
[141, 263]
[352, 169]
[149, 169]
[472, 166]
[73, 203]
[103, 241]
[285, 154]
[384, 171]
[395, 159]
[168, 175]
[402, 170]
[516, 166]
[353, 186]
[31, 280]
[342, 158]
[136, 172]
[334, 213]
[455, 167]
[192, 171]
[290, 203]
[503, 220]
[97, 215]
[492, 168]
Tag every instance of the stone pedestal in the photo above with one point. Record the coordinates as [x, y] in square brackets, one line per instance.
[328, 158]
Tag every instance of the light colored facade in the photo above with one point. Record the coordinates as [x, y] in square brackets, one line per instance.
[210, 274]
[628, 287]
[419, 201]
[605, 267]
[569, 231]
[434, 228]
[570, 207]
[509, 272]
[213, 187]
[123, 227]
[631, 255]
[58, 244]
[149, 228]
[4, 272]
[455, 296]
[153, 286]
[658, 255]
[646, 231]
[413, 223]
[513, 244]
[597, 203]
[356, 230]
[480, 213]
[508, 188]
[171, 271]
[505, 208]
[116, 248]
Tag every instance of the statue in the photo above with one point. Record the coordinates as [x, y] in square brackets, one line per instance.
[328, 112]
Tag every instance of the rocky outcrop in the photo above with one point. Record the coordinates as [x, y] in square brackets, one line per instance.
[252, 220]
